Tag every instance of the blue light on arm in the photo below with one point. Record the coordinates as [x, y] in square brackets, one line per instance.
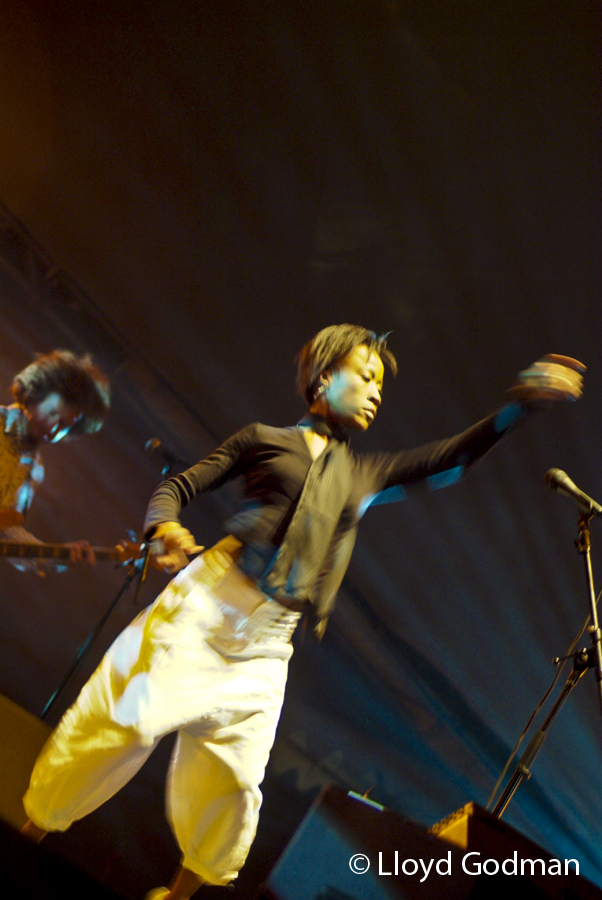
[508, 416]
[445, 479]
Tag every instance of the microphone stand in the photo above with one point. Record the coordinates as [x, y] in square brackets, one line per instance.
[583, 544]
[135, 568]
[582, 661]
[138, 567]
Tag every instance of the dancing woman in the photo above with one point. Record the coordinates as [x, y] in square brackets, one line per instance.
[209, 658]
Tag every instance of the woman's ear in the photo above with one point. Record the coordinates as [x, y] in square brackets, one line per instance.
[322, 384]
[325, 379]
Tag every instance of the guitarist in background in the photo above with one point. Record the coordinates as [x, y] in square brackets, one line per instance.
[60, 396]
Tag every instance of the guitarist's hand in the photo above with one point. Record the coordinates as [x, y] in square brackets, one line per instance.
[81, 552]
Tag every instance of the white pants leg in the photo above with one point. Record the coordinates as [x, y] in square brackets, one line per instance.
[208, 660]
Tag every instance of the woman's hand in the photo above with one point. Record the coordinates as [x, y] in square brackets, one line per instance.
[552, 379]
[172, 545]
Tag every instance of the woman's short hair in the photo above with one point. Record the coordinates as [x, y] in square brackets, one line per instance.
[329, 346]
[78, 381]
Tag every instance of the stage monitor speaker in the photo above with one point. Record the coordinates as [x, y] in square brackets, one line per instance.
[349, 848]
[474, 830]
[22, 736]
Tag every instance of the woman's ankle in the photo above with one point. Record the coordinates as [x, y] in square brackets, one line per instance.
[184, 884]
[33, 832]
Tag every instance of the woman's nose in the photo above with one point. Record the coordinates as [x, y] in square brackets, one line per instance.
[374, 395]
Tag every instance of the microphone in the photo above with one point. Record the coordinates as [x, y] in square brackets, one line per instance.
[154, 447]
[559, 481]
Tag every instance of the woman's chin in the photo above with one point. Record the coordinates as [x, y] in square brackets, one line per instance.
[358, 423]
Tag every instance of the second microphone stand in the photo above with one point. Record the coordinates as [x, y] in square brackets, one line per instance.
[582, 661]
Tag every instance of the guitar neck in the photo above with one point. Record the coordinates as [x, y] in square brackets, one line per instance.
[52, 551]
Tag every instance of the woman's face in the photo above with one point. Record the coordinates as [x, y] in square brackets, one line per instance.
[50, 419]
[352, 390]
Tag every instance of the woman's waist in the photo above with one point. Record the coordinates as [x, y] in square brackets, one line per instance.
[232, 565]
[241, 615]
[251, 560]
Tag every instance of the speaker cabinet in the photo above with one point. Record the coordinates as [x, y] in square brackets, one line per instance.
[474, 830]
[349, 848]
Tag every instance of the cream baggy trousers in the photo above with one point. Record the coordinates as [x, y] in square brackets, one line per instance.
[209, 660]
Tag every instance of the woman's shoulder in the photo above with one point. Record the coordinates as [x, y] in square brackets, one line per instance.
[257, 435]
[261, 431]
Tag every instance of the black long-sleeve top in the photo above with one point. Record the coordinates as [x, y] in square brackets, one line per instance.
[275, 463]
